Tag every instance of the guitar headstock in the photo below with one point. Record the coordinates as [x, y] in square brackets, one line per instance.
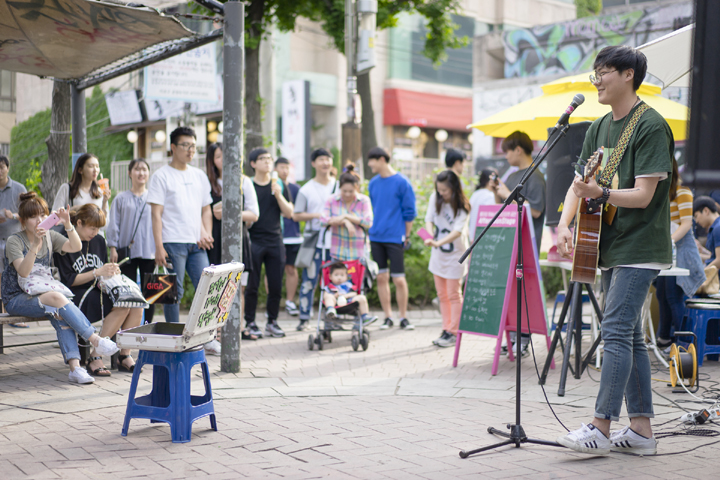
[593, 164]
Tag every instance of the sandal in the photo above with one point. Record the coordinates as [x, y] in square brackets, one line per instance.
[122, 367]
[246, 335]
[98, 372]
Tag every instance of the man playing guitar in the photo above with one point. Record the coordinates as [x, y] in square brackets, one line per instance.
[634, 247]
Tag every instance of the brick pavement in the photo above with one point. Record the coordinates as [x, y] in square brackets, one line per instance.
[398, 410]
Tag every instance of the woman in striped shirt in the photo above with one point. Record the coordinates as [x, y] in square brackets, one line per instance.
[346, 212]
[672, 291]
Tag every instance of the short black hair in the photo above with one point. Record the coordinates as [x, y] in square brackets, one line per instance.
[256, 152]
[621, 58]
[518, 139]
[319, 152]
[181, 132]
[704, 202]
[4, 159]
[337, 266]
[282, 161]
[452, 156]
[135, 162]
[378, 153]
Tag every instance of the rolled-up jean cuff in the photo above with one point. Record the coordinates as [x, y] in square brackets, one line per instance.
[617, 419]
[639, 415]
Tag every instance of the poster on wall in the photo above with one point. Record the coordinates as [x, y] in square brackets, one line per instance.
[187, 77]
[296, 126]
[123, 107]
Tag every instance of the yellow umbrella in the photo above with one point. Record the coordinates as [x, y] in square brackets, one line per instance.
[536, 115]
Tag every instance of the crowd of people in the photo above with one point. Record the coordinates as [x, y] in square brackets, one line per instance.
[172, 219]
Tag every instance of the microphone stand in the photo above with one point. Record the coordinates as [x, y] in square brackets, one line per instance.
[517, 434]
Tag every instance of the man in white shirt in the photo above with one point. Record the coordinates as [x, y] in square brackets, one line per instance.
[179, 197]
[308, 207]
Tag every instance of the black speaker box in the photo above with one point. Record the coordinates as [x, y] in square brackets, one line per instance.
[702, 168]
[560, 173]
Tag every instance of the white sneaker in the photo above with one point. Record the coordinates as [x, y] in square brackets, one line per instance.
[586, 439]
[448, 340]
[291, 308]
[106, 347]
[629, 441]
[213, 347]
[81, 376]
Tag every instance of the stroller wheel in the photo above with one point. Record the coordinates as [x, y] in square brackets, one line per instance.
[365, 341]
[355, 341]
[328, 336]
[311, 341]
[319, 341]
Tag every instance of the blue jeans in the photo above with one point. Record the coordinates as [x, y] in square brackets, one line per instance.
[626, 364]
[72, 321]
[308, 283]
[185, 257]
[671, 304]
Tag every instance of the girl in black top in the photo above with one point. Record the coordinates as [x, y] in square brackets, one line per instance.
[80, 270]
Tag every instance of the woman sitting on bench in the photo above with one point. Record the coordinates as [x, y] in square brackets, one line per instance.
[81, 270]
[29, 247]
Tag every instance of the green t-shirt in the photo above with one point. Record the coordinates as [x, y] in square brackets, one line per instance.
[637, 235]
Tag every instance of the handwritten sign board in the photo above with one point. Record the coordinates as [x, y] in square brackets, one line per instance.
[490, 301]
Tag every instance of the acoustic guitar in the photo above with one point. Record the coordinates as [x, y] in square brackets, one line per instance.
[588, 221]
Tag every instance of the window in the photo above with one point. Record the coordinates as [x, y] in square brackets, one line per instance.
[7, 91]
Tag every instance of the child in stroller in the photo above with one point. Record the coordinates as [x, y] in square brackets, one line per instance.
[340, 301]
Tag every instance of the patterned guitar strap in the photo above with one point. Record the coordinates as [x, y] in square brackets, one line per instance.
[605, 178]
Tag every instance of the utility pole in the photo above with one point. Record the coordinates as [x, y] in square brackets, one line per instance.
[351, 138]
[234, 93]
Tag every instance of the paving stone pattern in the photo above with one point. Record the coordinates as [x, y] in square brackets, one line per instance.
[397, 411]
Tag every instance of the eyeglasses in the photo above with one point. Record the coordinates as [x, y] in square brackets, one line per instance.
[597, 78]
[187, 146]
[264, 158]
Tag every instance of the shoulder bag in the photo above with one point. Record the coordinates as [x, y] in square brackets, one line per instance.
[124, 252]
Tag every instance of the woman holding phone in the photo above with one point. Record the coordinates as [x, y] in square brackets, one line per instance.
[33, 246]
[447, 217]
[81, 270]
[83, 187]
[129, 232]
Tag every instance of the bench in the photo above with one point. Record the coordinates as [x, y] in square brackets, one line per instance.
[6, 319]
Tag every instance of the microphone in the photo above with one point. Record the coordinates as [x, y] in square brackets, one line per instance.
[576, 102]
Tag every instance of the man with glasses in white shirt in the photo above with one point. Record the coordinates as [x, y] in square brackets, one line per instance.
[179, 198]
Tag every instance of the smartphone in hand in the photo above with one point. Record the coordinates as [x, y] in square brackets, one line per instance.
[424, 234]
[49, 222]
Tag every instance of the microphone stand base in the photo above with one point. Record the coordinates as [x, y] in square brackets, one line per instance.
[516, 436]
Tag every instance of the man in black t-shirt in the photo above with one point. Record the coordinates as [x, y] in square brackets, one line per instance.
[267, 242]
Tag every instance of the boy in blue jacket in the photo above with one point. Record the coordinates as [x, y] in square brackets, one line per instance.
[394, 210]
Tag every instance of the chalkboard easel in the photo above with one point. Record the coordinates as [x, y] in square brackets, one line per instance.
[490, 299]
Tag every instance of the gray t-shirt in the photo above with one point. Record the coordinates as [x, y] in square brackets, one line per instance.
[10, 199]
[311, 198]
[534, 192]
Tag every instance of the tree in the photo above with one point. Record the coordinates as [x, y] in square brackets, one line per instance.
[588, 8]
[261, 14]
[58, 142]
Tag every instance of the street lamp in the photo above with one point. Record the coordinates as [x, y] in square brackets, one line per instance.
[132, 136]
[413, 132]
[441, 135]
[160, 136]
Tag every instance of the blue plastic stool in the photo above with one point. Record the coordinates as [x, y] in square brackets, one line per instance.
[704, 320]
[170, 400]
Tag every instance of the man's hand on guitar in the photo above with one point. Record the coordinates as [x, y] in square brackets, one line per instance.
[586, 190]
[564, 242]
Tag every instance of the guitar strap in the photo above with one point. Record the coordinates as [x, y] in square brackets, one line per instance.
[605, 178]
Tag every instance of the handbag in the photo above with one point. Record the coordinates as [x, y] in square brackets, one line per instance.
[123, 292]
[124, 252]
[40, 280]
[306, 253]
[711, 286]
[160, 287]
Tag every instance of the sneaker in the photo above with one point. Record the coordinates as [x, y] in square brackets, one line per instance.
[628, 441]
[273, 330]
[448, 341]
[81, 376]
[586, 439]
[303, 325]
[213, 347]
[386, 324]
[406, 325]
[367, 319]
[442, 335]
[106, 347]
[663, 343]
[291, 308]
[331, 313]
[254, 330]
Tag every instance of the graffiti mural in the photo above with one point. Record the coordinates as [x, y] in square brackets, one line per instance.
[572, 46]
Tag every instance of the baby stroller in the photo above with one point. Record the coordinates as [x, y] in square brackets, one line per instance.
[349, 314]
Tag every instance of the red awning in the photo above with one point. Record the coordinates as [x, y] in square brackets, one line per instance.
[405, 107]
